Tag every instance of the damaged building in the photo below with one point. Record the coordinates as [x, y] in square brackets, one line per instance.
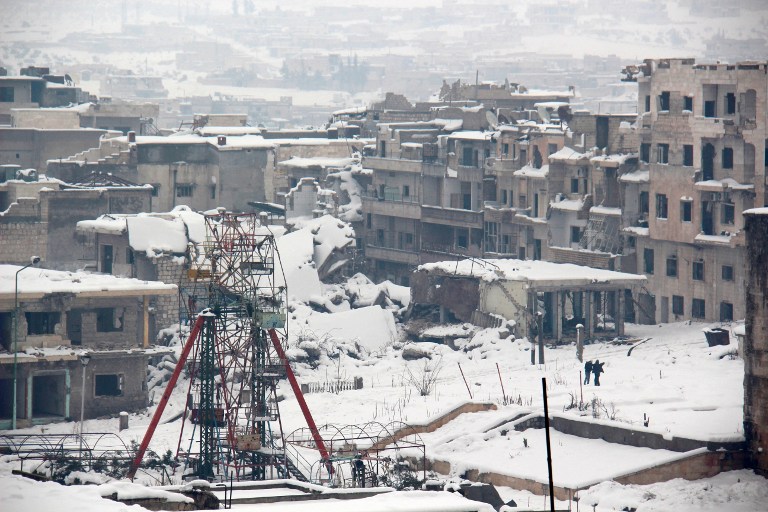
[518, 294]
[62, 316]
[702, 130]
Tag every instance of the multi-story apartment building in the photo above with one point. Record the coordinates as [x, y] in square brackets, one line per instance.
[702, 132]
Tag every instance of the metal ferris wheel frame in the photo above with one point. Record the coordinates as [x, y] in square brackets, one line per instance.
[236, 352]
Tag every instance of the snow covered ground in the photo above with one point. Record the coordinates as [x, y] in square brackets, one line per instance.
[672, 379]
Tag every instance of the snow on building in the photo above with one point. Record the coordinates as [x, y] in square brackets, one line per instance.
[62, 316]
[485, 291]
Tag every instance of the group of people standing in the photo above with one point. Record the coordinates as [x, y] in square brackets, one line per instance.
[595, 368]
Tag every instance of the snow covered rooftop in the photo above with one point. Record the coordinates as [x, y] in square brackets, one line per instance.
[573, 205]
[529, 171]
[567, 153]
[531, 271]
[613, 160]
[471, 135]
[720, 185]
[320, 161]
[152, 233]
[36, 283]
[641, 176]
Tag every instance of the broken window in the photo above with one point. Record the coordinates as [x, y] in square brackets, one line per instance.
[108, 385]
[575, 234]
[728, 213]
[730, 103]
[726, 312]
[664, 100]
[648, 261]
[467, 156]
[645, 152]
[574, 185]
[505, 149]
[727, 273]
[645, 206]
[42, 323]
[709, 108]
[688, 103]
[213, 191]
[6, 95]
[662, 156]
[698, 308]
[727, 158]
[672, 266]
[678, 305]
[686, 210]
[688, 155]
[698, 270]
[109, 320]
[647, 103]
[661, 206]
[551, 149]
[406, 191]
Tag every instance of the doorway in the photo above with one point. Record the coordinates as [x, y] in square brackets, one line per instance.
[48, 395]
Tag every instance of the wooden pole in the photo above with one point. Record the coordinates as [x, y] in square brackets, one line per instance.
[465, 381]
[549, 446]
[503, 393]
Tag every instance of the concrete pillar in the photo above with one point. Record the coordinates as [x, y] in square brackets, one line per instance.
[558, 320]
[123, 421]
[145, 314]
[619, 317]
[589, 316]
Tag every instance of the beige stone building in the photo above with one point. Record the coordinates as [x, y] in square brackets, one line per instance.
[702, 130]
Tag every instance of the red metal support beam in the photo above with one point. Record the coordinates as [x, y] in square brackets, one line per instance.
[302, 403]
[166, 395]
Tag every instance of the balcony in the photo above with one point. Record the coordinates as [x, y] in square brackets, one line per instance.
[393, 164]
[408, 207]
[391, 248]
[473, 251]
[452, 216]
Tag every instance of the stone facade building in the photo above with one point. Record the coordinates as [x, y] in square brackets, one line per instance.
[61, 317]
[38, 217]
[702, 130]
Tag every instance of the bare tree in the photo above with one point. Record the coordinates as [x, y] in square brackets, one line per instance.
[425, 377]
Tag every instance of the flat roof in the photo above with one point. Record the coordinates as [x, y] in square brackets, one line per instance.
[36, 283]
[533, 272]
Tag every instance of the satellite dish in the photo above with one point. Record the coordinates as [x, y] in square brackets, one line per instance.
[493, 121]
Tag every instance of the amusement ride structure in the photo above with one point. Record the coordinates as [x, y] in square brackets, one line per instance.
[235, 355]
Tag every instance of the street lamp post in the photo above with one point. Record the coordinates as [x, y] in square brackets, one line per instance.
[34, 260]
[84, 360]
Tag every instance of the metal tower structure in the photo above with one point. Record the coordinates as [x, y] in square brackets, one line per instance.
[236, 357]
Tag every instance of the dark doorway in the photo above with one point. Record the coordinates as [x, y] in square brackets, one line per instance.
[709, 109]
[707, 221]
[6, 402]
[106, 259]
[75, 326]
[708, 161]
[48, 395]
[602, 132]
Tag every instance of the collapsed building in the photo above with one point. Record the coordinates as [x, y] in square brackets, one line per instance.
[528, 296]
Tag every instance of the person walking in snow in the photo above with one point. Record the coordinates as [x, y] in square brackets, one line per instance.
[597, 369]
[587, 371]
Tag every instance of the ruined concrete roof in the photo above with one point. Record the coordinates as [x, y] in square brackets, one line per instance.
[532, 272]
[36, 283]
